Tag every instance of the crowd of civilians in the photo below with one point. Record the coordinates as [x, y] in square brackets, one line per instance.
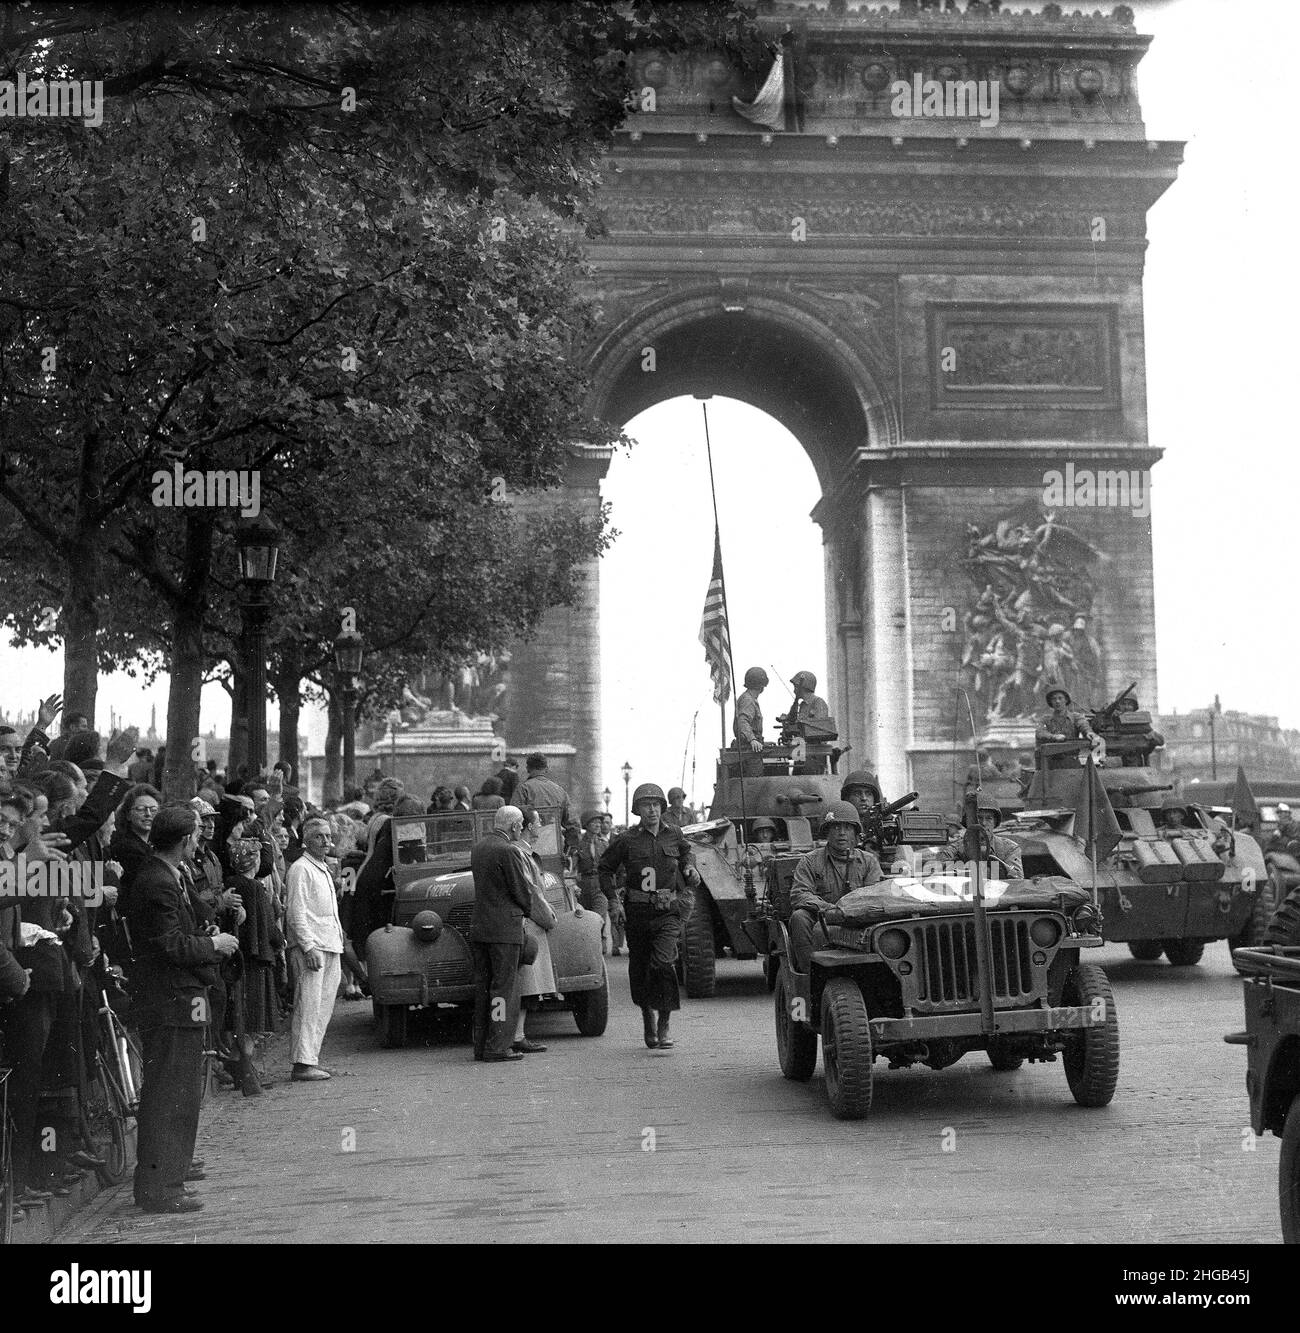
[223, 919]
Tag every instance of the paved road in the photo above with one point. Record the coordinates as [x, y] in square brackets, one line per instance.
[424, 1144]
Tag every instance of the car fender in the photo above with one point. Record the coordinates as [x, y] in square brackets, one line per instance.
[397, 962]
[576, 953]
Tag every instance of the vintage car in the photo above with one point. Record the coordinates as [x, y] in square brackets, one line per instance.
[1272, 1041]
[421, 959]
[931, 965]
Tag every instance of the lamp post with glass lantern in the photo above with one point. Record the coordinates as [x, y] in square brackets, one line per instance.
[258, 544]
[609, 796]
[627, 795]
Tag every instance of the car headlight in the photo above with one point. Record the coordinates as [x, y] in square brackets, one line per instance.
[893, 943]
[1045, 931]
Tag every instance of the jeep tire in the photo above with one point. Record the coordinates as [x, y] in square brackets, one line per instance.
[1002, 1059]
[847, 1054]
[1146, 951]
[796, 1043]
[1288, 1176]
[1091, 1054]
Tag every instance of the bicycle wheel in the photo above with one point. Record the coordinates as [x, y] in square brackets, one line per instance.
[104, 1122]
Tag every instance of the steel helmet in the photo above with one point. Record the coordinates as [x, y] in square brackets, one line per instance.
[841, 812]
[676, 791]
[1283, 808]
[861, 777]
[427, 926]
[761, 822]
[755, 677]
[590, 816]
[1177, 803]
[803, 680]
[1056, 689]
[649, 791]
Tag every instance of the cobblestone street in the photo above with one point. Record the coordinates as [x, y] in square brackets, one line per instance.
[423, 1144]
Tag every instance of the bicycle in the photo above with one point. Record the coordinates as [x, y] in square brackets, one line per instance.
[111, 1097]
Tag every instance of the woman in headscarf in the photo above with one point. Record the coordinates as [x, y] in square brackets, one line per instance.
[259, 939]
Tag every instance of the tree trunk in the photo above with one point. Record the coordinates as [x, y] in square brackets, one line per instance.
[287, 681]
[80, 615]
[187, 661]
[238, 726]
[333, 785]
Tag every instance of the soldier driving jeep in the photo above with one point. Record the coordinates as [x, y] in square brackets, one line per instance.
[823, 877]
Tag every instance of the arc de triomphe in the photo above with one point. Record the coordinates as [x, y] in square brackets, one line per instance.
[948, 317]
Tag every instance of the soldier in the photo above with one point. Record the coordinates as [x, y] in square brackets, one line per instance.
[677, 814]
[749, 716]
[1286, 832]
[807, 706]
[762, 831]
[1006, 854]
[540, 790]
[660, 874]
[1173, 815]
[591, 847]
[862, 790]
[1062, 723]
[823, 877]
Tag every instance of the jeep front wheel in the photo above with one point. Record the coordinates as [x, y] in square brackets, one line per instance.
[1288, 1176]
[1091, 1054]
[392, 1026]
[699, 965]
[771, 967]
[796, 1043]
[846, 1049]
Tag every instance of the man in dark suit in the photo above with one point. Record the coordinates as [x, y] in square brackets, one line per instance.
[496, 935]
[175, 963]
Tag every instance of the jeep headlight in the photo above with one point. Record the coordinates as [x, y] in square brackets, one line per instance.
[893, 943]
[1045, 932]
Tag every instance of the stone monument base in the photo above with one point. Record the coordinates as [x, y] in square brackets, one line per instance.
[448, 749]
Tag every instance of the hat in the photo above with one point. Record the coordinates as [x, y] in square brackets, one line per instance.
[803, 680]
[1056, 689]
[1283, 808]
[590, 816]
[205, 811]
[676, 791]
[755, 678]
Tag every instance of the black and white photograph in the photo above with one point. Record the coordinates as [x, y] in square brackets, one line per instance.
[649, 623]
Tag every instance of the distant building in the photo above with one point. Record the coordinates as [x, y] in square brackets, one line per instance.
[1264, 749]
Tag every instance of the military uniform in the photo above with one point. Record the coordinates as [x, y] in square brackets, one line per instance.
[1004, 850]
[820, 881]
[657, 899]
[749, 719]
[1070, 725]
[542, 793]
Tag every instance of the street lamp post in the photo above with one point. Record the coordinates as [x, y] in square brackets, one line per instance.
[627, 795]
[258, 544]
[349, 650]
[1214, 756]
[609, 796]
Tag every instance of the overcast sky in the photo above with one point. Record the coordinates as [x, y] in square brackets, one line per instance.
[1221, 292]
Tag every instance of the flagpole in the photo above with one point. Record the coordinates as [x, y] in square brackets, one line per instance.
[726, 606]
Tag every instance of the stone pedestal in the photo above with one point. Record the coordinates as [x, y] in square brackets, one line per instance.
[447, 749]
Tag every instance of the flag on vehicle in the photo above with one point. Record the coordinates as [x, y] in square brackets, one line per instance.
[713, 629]
[1095, 824]
[1242, 800]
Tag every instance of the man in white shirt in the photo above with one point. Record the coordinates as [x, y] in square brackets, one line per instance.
[315, 939]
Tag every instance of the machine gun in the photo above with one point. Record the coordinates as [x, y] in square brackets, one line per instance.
[1105, 717]
[881, 826]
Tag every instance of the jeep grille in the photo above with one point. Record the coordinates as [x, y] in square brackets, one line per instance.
[944, 958]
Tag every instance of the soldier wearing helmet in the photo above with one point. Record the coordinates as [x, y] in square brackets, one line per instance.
[659, 869]
[749, 716]
[762, 830]
[1009, 863]
[807, 706]
[1173, 815]
[677, 814]
[862, 790]
[1286, 838]
[1062, 722]
[591, 847]
[823, 877]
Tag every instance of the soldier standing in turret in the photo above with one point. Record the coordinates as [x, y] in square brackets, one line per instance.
[660, 876]
[1062, 723]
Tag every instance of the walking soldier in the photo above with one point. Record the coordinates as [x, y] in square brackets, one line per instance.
[660, 875]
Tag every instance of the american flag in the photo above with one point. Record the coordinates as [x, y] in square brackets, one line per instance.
[713, 630]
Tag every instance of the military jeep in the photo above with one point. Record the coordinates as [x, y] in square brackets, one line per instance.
[1272, 1040]
[932, 965]
[422, 959]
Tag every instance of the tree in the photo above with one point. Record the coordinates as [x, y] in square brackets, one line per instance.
[325, 248]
